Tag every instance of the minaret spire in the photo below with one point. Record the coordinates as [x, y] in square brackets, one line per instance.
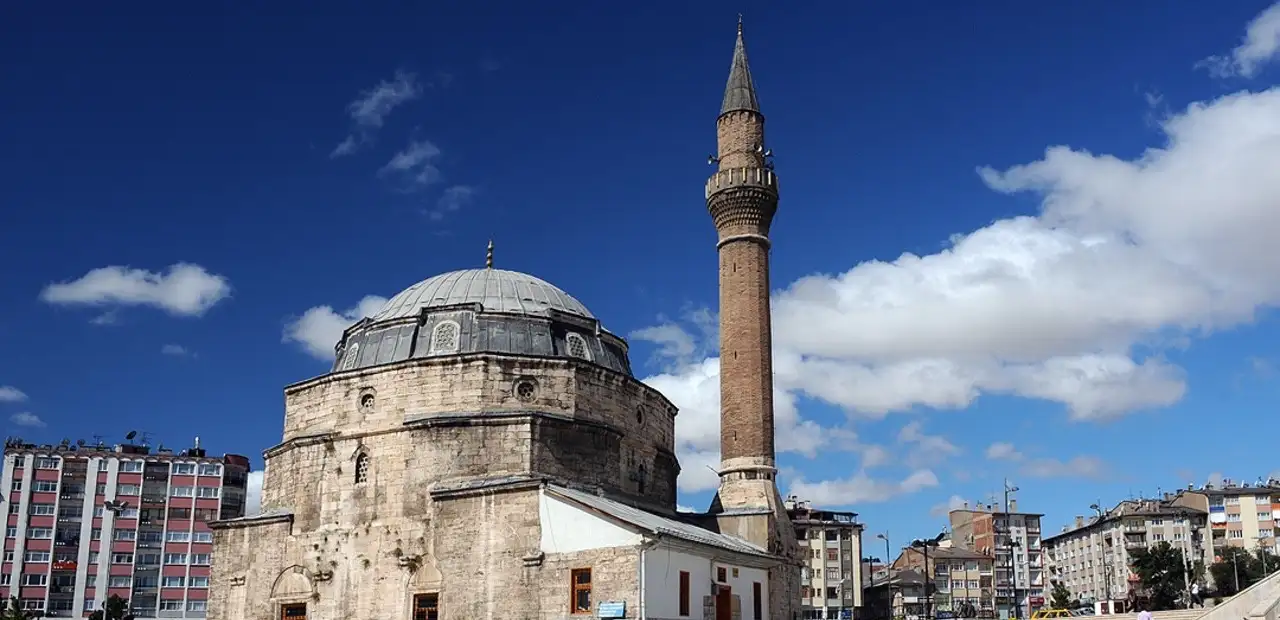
[488, 256]
[740, 92]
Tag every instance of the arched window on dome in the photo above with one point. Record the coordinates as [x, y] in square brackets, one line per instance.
[444, 337]
[353, 353]
[362, 468]
[577, 346]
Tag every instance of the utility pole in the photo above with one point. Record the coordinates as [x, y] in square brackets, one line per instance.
[1106, 558]
[1013, 565]
[1186, 563]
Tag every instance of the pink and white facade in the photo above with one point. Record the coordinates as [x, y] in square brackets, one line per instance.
[65, 552]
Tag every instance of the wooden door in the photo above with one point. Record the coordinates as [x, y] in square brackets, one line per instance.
[724, 603]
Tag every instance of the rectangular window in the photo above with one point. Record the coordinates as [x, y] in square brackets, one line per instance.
[40, 533]
[126, 534]
[120, 581]
[19, 461]
[293, 611]
[580, 590]
[184, 468]
[721, 575]
[197, 605]
[684, 593]
[42, 510]
[426, 607]
[198, 582]
[200, 559]
[756, 601]
[175, 558]
[122, 558]
[208, 492]
[210, 469]
[45, 486]
[176, 581]
[131, 466]
[170, 604]
[202, 537]
[128, 489]
[35, 580]
[182, 491]
[37, 557]
[46, 463]
[179, 537]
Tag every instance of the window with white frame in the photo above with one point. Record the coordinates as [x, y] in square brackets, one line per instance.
[197, 605]
[198, 582]
[202, 537]
[444, 337]
[173, 581]
[45, 486]
[170, 604]
[119, 581]
[353, 353]
[40, 533]
[210, 469]
[36, 557]
[175, 558]
[182, 491]
[43, 509]
[577, 346]
[131, 467]
[122, 558]
[128, 489]
[177, 536]
[200, 559]
[46, 462]
[126, 534]
[35, 580]
[208, 492]
[184, 468]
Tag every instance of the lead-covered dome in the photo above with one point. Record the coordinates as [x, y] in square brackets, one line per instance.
[497, 290]
[480, 311]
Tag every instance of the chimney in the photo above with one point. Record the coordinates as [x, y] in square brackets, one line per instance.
[1013, 505]
[1079, 521]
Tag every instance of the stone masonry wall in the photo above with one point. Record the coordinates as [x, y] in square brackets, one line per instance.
[478, 553]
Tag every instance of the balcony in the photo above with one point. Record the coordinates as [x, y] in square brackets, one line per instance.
[1135, 529]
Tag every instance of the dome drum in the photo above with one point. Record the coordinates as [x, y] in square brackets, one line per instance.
[463, 328]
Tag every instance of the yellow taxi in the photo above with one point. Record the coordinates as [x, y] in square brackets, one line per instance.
[1043, 614]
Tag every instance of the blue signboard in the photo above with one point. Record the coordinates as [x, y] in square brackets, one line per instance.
[612, 609]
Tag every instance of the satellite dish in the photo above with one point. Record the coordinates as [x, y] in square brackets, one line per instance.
[65, 442]
[131, 435]
[80, 442]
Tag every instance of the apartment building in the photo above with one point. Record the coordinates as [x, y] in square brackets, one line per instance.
[831, 582]
[1013, 539]
[88, 522]
[1091, 558]
[1240, 515]
[962, 578]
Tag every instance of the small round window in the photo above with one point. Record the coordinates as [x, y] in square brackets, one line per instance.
[366, 402]
[639, 415]
[526, 390]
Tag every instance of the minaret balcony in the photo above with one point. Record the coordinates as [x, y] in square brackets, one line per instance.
[732, 178]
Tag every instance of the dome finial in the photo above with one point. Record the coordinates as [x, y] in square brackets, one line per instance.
[488, 256]
[739, 24]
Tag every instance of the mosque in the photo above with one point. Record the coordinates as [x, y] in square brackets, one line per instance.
[482, 449]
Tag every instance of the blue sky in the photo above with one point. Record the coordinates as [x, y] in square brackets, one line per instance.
[1023, 240]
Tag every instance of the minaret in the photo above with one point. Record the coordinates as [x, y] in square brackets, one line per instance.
[742, 197]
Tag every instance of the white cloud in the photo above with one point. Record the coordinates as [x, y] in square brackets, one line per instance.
[681, 508]
[183, 290]
[1003, 451]
[1260, 46]
[27, 419]
[1044, 467]
[925, 450]
[955, 502]
[415, 165]
[861, 489]
[253, 494]
[452, 200]
[176, 350]
[373, 106]
[10, 394]
[319, 329]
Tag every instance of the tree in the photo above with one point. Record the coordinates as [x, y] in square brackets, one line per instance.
[1235, 564]
[116, 608]
[1161, 571]
[12, 610]
[1060, 597]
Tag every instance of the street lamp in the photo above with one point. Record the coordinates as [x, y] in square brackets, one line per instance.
[885, 538]
[1186, 564]
[1008, 530]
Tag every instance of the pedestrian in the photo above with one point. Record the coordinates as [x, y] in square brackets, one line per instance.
[1196, 599]
[1144, 614]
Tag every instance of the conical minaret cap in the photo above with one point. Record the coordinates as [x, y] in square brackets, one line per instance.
[740, 92]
